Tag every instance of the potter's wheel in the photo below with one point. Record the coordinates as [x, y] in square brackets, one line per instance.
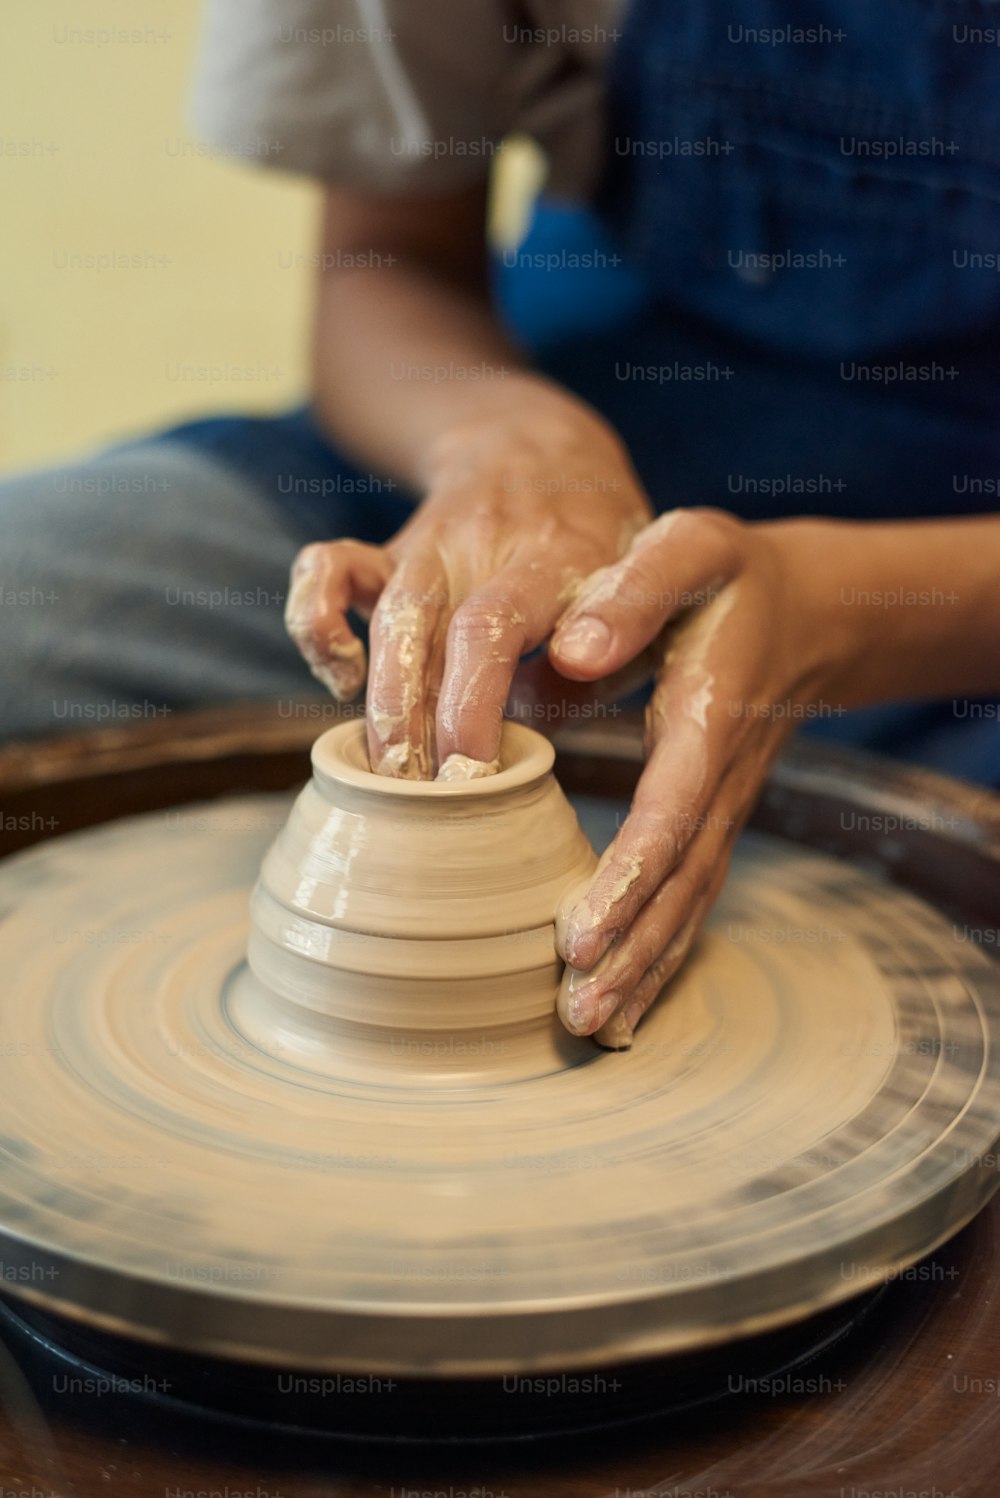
[815, 1106]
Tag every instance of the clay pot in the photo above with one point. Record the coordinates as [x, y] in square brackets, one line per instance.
[414, 917]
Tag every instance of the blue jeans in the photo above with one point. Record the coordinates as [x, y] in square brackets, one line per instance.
[152, 578]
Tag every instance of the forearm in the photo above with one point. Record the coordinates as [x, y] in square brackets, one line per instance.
[912, 607]
[404, 360]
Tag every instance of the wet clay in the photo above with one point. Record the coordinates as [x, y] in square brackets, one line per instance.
[328, 1158]
[390, 911]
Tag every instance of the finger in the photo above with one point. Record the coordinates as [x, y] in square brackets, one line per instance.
[622, 986]
[667, 811]
[690, 745]
[679, 562]
[488, 634]
[617, 1033]
[404, 643]
[586, 1001]
[327, 579]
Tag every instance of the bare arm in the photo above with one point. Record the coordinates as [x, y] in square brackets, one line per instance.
[919, 603]
[414, 377]
[407, 350]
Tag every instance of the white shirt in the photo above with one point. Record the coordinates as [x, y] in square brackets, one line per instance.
[396, 96]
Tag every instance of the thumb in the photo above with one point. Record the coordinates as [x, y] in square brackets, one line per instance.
[677, 563]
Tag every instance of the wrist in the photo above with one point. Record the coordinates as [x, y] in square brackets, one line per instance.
[817, 559]
[530, 427]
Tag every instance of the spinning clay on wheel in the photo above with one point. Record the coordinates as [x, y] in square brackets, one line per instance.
[348, 1131]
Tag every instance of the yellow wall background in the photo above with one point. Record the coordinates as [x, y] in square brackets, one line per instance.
[96, 159]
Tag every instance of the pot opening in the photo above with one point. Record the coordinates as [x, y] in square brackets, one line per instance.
[341, 754]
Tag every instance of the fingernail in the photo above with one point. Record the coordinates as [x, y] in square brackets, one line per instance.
[589, 1010]
[585, 943]
[586, 640]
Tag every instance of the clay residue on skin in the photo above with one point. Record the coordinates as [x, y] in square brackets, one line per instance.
[473, 695]
[402, 758]
[657, 530]
[598, 905]
[701, 700]
[632, 526]
[402, 761]
[461, 767]
[600, 588]
[403, 629]
[618, 1033]
[567, 905]
[298, 605]
[692, 643]
[344, 670]
[454, 714]
[340, 662]
[631, 869]
[571, 584]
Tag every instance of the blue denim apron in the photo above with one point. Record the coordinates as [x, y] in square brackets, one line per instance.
[830, 198]
[791, 300]
[804, 316]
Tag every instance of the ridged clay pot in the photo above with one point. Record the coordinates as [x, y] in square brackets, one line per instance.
[402, 924]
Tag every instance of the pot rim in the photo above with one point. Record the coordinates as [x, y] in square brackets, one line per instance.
[341, 755]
